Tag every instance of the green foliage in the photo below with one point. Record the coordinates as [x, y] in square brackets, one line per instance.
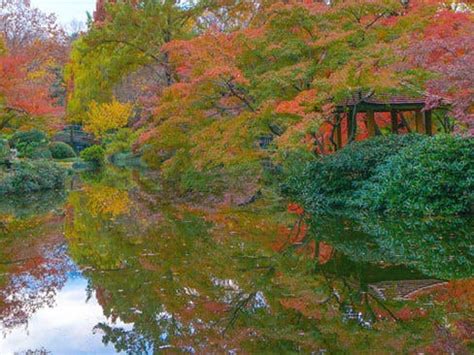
[132, 37]
[398, 240]
[61, 150]
[120, 141]
[31, 144]
[331, 181]
[28, 137]
[184, 176]
[39, 152]
[118, 148]
[30, 176]
[4, 150]
[432, 176]
[94, 154]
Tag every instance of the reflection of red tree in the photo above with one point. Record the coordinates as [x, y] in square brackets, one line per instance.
[306, 305]
[325, 253]
[459, 294]
[296, 235]
[36, 270]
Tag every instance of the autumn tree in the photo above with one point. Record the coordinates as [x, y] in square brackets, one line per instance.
[102, 118]
[34, 48]
[445, 51]
[130, 38]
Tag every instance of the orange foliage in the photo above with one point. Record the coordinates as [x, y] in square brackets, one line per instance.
[26, 87]
[295, 208]
[325, 253]
[304, 305]
[407, 313]
[216, 307]
[300, 105]
[294, 236]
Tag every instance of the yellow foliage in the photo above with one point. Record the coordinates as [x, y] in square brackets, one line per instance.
[107, 201]
[104, 117]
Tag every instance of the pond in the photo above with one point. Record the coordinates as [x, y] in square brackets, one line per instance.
[114, 266]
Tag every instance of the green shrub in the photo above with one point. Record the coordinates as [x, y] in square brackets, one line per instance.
[407, 174]
[31, 144]
[61, 150]
[41, 152]
[430, 177]
[94, 154]
[331, 181]
[31, 136]
[30, 176]
[121, 141]
[4, 150]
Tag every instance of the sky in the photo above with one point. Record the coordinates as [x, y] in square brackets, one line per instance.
[66, 10]
[51, 329]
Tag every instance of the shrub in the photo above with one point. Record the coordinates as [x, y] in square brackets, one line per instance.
[121, 141]
[94, 154]
[31, 144]
[4, 150]
[31, 136]
[30, 176]
[331, 181]
[41, 152]
[61, 150]
[430, 177]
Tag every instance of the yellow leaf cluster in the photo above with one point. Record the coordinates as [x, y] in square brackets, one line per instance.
[107, 116]
[107, 201]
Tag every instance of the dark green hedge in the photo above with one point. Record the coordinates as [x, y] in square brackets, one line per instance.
[31, 144]
[61, 150]
[410, 174]
[4, 150]
[94, 154]
[433, 176]
[30, 176]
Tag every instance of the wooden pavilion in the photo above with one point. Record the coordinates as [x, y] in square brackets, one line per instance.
[370, 103]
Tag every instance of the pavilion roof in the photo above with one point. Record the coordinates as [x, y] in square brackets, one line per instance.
[382, 101]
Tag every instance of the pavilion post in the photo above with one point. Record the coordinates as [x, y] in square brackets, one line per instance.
[428, 123]
[394, 119]
[371, 127]
[350, 128]
[338, 132]
[420, 126]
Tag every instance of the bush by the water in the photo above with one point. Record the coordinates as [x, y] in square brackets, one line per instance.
[61, 150]
[404, 174]
[94, 154]
[31, 144]
[433, 176]
[25, 137]
[29, 176]
[4, 150]
[331, 181]
[41, 152]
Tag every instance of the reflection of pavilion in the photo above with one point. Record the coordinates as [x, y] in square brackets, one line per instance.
[403, 289]
[389, 282]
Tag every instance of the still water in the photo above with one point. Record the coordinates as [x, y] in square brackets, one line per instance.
[116, 266]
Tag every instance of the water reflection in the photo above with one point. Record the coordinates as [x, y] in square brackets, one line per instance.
[160, 275]
[437, 247]
[33, 204]
[64, 327]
